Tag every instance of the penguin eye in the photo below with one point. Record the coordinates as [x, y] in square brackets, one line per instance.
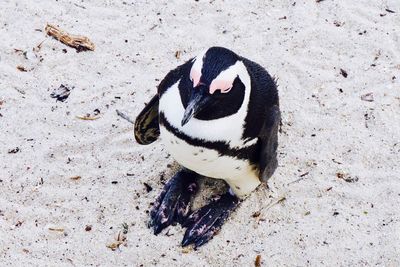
[217, 92]
[220, 92]
[226, 90]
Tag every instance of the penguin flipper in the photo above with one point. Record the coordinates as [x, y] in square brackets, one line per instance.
[147, 129]
[269, 143]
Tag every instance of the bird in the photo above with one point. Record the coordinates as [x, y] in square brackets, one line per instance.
[218, 117]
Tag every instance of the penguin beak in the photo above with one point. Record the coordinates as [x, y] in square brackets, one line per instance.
[198, 100]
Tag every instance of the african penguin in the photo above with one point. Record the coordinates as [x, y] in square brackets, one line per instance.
[218, 116]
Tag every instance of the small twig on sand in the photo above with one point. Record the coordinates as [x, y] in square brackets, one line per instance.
[257, 262]
[80, 43]
[124, 116]
[271, 204]
[302, 177]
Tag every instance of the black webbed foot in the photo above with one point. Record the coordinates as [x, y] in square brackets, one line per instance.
[173, 204]
[205, 222]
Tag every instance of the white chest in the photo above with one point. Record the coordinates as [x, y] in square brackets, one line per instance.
[239, 174]
[204, 161]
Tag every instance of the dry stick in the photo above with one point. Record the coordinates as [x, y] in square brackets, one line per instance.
[302, 177]
[124, 116]
[257, 262]
[271, 204]
[80, 43]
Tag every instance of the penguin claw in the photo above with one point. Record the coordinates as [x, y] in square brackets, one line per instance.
[173, 204]
[205, 222]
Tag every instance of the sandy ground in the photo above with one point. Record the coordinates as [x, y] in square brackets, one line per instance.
[338, 176]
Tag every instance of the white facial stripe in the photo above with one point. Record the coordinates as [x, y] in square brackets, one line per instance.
[195, 72]
[224, 80]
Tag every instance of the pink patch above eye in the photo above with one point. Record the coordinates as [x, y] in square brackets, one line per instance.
[195, 77]
[224, 86]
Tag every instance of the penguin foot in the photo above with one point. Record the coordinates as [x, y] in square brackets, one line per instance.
[173, 204]
[205, 222]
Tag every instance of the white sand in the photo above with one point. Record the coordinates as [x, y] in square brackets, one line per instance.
[323, 221]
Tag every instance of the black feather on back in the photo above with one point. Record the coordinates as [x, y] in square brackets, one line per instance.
[173, 76]
[263, 117]
[264, 95]
[268, 140]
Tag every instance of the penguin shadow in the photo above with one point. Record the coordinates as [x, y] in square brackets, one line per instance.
[208, 187]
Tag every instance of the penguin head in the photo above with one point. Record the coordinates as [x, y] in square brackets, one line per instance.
[217, 85]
